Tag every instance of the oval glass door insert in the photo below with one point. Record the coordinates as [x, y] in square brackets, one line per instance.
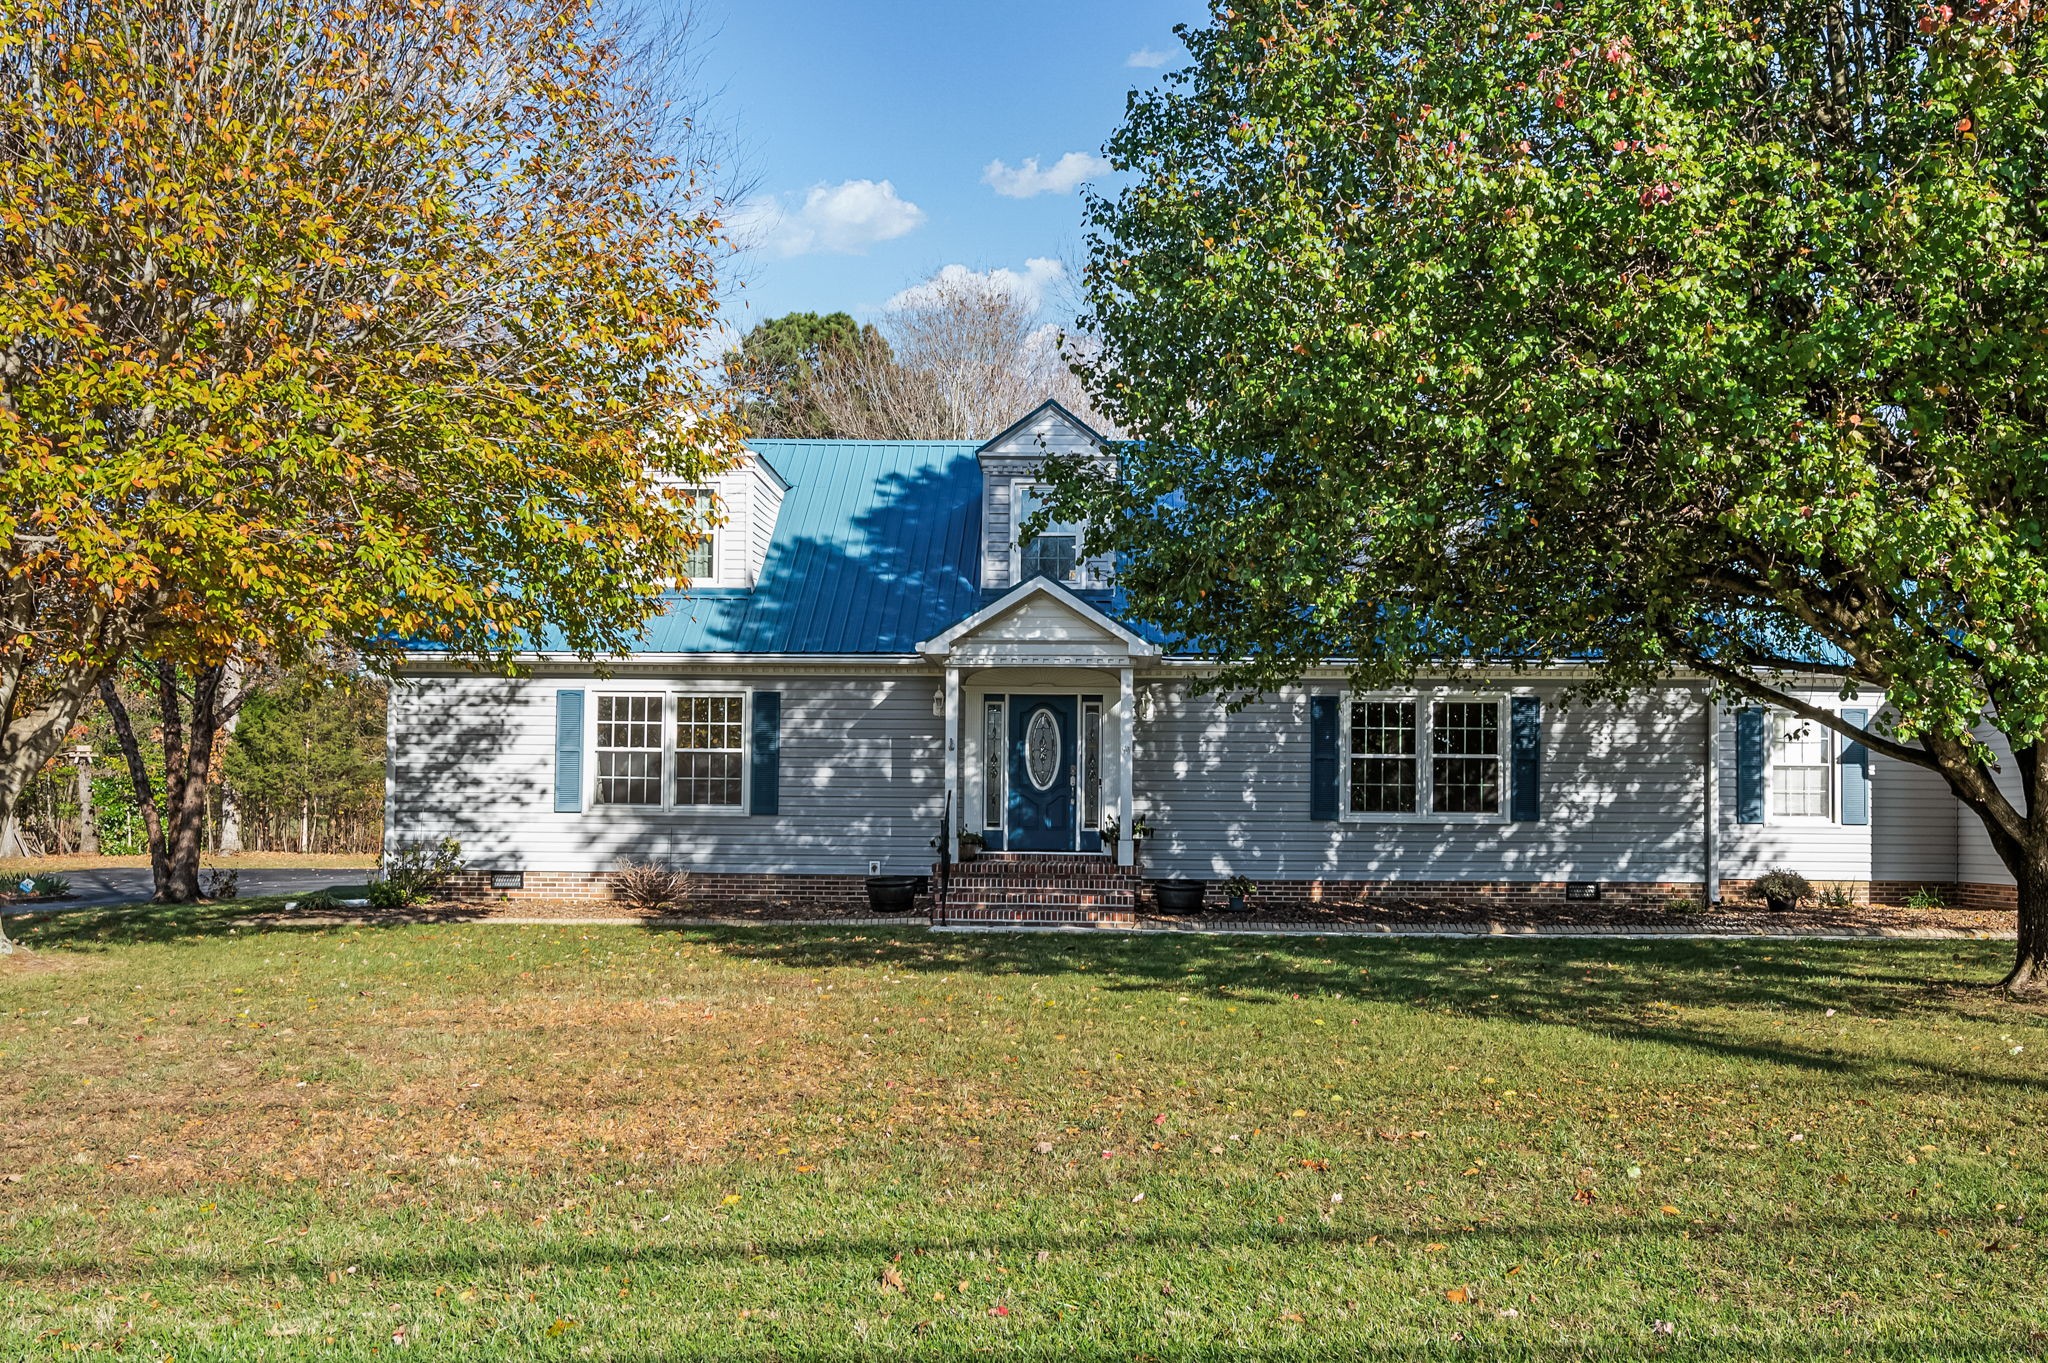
[1042, 750]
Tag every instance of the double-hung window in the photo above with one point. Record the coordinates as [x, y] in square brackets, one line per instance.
[629, 749]
[1408, 757]
[1384, 774]
[710, 750]
[699, 763]
[1801, 770]
[702, 564]
[1055, 552]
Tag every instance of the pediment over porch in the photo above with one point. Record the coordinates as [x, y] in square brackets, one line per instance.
[1039, 624]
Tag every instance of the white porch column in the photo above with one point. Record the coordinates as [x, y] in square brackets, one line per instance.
[1126, 728]
[952, 721]
[1710, 831]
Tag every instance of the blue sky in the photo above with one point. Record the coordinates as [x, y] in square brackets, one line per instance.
[872, 129]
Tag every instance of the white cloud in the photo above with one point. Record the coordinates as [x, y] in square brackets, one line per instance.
[1028, 285]
[1027, 180]
[1145, 59]
[842, 219]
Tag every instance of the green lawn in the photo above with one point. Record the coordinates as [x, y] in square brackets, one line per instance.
[495, 1142]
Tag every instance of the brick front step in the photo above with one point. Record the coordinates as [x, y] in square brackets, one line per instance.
[1043, 899]
[1025, 914]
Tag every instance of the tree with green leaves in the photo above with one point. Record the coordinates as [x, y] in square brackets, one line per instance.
[776, 367]
[378, 323]
[1681, 335]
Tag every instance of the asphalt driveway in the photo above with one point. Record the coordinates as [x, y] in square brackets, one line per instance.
[126, 885]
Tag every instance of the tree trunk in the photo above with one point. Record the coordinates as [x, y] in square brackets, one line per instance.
[2029, 977]
[88, 828]
[230, 808]
[185, 838]
[138, 776]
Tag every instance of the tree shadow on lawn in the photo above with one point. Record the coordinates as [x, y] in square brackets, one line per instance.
[1767, 1236]
[1621, 990]
[97, 928]
[1625, 991]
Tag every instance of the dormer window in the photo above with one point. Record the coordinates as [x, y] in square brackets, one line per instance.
[702, 564]
[1055, 553]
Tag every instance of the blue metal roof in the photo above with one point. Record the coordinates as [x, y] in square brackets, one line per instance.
[876, 548]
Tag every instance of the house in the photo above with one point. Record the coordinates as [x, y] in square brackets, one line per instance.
[870, 648]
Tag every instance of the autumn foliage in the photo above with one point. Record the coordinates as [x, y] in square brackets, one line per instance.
[372, 322]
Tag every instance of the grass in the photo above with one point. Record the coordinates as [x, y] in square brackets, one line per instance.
[507, 1142]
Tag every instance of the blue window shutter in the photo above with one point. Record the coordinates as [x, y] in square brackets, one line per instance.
[1749, 766]
[568, 752]
[1322, 758]
[1525, 747]
[766, 758]
[1855, 772]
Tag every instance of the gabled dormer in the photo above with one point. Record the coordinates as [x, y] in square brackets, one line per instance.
[1010, 465]
[743, 504]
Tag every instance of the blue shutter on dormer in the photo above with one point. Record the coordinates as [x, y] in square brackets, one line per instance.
[1322, 758]
[568, 752]
[1855, 772]
[765, 774]
[1749, 765]
[1525, 749]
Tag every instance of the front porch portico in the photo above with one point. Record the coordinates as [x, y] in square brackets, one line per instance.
[1040, 716]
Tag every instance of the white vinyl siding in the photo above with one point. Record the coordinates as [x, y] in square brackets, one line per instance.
[860, 775]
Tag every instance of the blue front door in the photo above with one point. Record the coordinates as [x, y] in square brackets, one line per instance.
[1042, 794]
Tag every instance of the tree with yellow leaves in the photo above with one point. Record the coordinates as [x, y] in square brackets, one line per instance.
[374, 323]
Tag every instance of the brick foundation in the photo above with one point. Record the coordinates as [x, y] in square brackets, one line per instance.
[995, 906]
[707, 888]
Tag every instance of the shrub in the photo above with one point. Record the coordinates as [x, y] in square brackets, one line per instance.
[1683, 905]
[1926, 897]
[649, 886]
[223, 884]
[319, 902]
[1838, 897]
[48, 886]
[411, 873]
[1781, 887]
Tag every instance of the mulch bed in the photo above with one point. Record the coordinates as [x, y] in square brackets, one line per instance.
[1814, 919]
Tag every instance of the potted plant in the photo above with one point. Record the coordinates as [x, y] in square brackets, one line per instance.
[1140, 831]
[1179, 896]
[1238, 892]
[971, 846]
[1111, 834]
[893, 894]
[1782, 890]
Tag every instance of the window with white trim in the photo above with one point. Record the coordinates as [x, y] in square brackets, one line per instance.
[1055, 552]
[1387, 738]
[1464, 756]
[702, 564]
[711, 756]
[1801, 768]
[629, 749]
[1384, 775]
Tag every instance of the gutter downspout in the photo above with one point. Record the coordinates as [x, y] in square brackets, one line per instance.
[1710, 829]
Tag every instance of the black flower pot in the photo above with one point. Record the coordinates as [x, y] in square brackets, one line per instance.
[893, 894]
[1178, 896]
[1238, 904]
